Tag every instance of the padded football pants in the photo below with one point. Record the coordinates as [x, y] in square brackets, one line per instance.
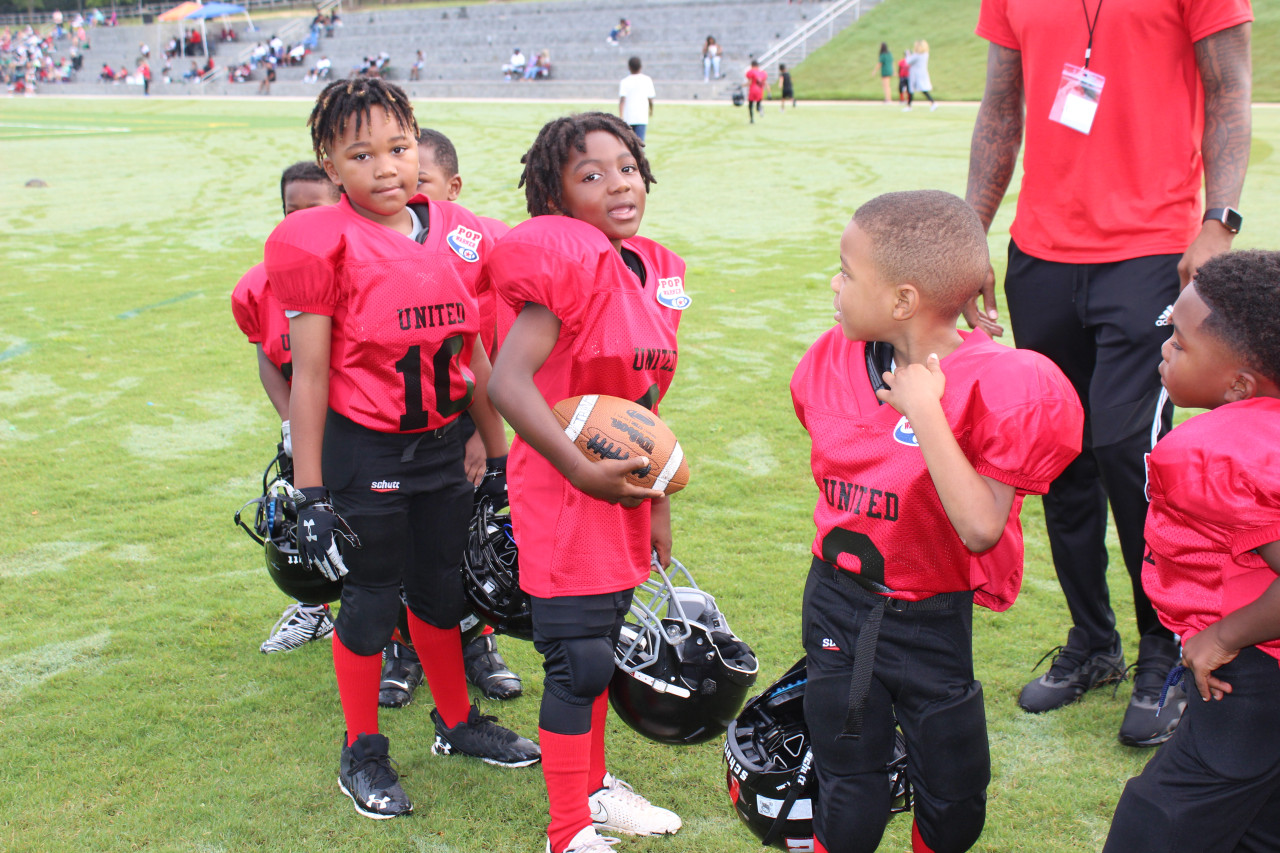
[575, 634]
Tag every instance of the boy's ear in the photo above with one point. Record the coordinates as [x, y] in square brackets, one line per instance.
[906, 301]
[455, 188]
[1244, 386]
[329, 170]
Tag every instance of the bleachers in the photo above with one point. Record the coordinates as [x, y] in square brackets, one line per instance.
[465, 47]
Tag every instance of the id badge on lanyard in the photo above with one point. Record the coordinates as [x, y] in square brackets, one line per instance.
[1080, 89]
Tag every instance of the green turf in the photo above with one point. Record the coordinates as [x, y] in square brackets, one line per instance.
[846, 66]
[137, 712]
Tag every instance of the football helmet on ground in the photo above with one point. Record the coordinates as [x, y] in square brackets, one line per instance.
[682, 675]
[275, 528]
[491, 573]
[770, 766]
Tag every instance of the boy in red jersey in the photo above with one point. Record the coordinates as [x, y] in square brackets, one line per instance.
[381, 297]
[1213, 553]
[758, 87]
[590, 293]
[258, 314]
[924, 444]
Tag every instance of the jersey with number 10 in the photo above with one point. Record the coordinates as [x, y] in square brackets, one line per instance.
[405, 315]
[616, 338]
[1015, 417]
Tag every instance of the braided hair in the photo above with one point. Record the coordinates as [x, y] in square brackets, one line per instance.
[546, 158]
[356, 97]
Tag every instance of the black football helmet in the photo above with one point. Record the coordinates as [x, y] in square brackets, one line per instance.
[491, 573]
[275, 528]
[770, 766]
[681, 673]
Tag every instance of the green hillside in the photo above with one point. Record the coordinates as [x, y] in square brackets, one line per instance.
[846, 66]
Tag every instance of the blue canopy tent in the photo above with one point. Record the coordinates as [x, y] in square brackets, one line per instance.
[215, 10]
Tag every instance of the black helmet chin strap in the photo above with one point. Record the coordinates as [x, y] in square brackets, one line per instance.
[794, 787]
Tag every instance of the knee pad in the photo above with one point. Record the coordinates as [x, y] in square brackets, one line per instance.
[367, 617]
[579, 669]
[949, 763]
[371, 590]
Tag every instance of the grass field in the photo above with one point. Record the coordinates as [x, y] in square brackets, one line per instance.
[137, 712]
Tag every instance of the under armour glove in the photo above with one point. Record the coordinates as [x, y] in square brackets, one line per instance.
[319, 527]
[494, 484]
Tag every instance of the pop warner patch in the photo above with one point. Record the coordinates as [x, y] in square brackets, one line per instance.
[464, 242]
[671, 293]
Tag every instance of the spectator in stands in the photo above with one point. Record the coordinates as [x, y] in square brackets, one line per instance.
[635, 98]
[144, 71]
[144, 51]
[540, 67]
[415, 70]
[618, 33]
[268, 77]
[324, 68]
[297, 54]
[515, 65]
[192, 73]
[711, 60]
[106, 75]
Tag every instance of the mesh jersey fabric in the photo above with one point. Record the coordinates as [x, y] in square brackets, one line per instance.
[1131, 187]
[405, 315]
[615, 338]
[260, 316]
[1214, 487]
[495, 315]
[1015, 416]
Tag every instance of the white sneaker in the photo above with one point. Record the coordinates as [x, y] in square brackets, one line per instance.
[618, 808]
[588, 841]
[933, 106]
[297, 626]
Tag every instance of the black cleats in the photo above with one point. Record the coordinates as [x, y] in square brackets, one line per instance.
[366, 776]
[1073, 671]
[481, 737]
[1144, 724]
[488, 671]
[401, 676]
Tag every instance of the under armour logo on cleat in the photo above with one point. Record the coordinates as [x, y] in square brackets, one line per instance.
[310, 525]
[377, 802]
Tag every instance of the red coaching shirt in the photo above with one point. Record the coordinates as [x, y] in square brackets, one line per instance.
[1131, 187]
[1016, 418]
[615, 338]
[259, 315]
[1214, 485]
[405, 316]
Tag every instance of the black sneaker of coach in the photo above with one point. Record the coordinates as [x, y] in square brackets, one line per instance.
[1144, 723]
[1073, 671]
[401, 676]
[481, 737]
[487, 670]
[366, 776]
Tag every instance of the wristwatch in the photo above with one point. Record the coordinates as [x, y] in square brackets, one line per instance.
[1228, 216]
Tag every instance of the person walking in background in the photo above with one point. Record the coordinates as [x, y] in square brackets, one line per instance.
[635, 98]
[758, 80]
[886, 70]
[711, 60]
[904, 76]
[918, 75]
[788, 91]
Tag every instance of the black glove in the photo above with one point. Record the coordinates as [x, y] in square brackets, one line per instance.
[318, 530]
[494, 484]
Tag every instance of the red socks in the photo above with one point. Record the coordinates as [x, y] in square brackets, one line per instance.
[358, 679]
[440, 651]
[917, 843]
[599, 711]
[566, 760]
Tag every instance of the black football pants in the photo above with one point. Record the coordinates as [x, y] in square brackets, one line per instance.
[1097, 322]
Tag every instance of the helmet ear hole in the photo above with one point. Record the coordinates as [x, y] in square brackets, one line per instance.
[674, 682]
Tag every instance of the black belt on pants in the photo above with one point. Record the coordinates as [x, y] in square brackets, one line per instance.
[864, 654]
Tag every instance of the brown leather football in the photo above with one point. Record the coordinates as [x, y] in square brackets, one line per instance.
[605, 427]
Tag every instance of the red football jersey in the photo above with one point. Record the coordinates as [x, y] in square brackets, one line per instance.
[496, 316]
[615, 338]
[1015, 416]
[259, 315]
[405, 315]
[1214, 486]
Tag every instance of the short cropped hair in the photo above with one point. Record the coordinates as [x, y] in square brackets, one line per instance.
[446, 155]
[634, 64]
[1242, 290]
[306, 171]
[930, 238]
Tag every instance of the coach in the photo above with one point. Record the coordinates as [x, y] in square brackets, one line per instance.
[1129, 103]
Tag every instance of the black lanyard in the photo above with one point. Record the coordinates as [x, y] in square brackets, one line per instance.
[1097, 13]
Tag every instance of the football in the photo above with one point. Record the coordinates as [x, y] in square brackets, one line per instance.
[605, 427]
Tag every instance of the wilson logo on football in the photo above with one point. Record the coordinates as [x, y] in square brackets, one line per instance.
[904, 434]
[464, 243]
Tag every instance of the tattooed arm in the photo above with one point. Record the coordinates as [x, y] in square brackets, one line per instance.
[1227, 74]
[997, 136]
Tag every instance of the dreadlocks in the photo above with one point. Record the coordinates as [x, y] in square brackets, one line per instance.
[546, 158]
[357, 96]
[1242, 290]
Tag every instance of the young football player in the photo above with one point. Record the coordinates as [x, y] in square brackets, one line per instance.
[589, 292]
[1213, 553]
[439, 180]
[383, 325]
[259, 315]
[924, 441]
